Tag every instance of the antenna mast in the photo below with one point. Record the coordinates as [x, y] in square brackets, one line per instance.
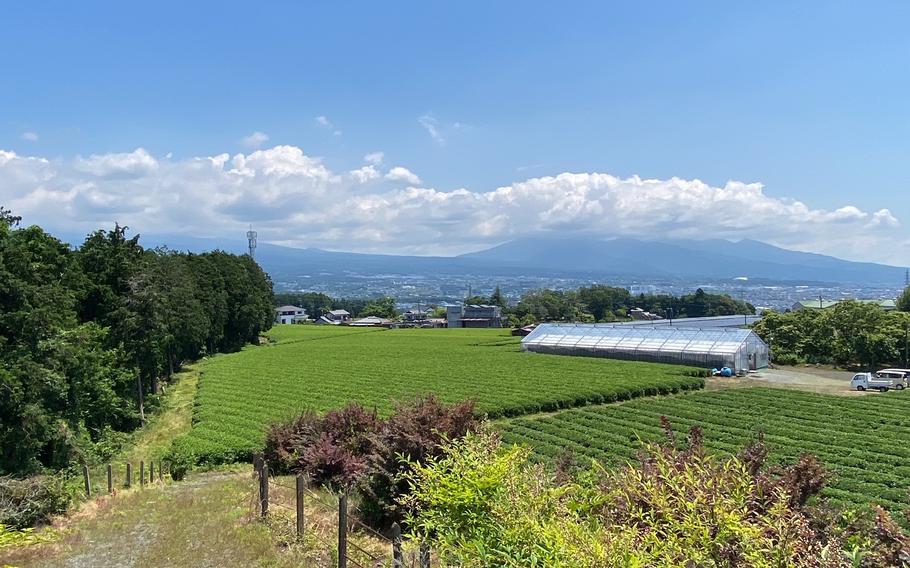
[251, 239]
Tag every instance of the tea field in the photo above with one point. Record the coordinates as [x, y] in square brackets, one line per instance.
[863, 440]
[323, 368]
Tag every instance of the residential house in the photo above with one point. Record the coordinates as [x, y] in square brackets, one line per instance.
[336, 317]
[290, 314]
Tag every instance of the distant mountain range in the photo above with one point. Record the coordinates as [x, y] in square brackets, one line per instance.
[690, 258]
[570, 256]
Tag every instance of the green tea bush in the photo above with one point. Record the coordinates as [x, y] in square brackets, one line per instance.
[322, 369]
[861, 440]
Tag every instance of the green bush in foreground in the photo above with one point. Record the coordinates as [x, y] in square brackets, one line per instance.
[29, 501]
[482, 504]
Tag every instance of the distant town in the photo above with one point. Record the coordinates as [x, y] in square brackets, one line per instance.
[411, 289]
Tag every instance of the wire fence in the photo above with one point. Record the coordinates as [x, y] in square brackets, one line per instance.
[111, 478]
[293, 507]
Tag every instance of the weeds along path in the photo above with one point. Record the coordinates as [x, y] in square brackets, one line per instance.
[174, 419]
[202, 522]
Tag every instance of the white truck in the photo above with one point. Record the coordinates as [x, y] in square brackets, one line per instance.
[870, 381]
[901, 377]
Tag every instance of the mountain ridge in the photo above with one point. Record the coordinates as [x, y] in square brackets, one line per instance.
[547, 255]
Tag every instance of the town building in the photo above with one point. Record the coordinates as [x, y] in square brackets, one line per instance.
[290, 314]
[474, 315]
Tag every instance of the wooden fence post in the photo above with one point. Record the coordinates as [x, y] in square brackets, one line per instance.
[88, 483]
[264, 490]
[129, 475]
[257, 464]
[343, 530]
[110, 479]
[301, 489]
[151, 472]
[160, 472]
[424, 555]
[397, 556]
[142, 474]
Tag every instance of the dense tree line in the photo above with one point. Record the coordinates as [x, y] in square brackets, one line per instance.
[596, 303]
[850, 334]
[87, 335]
[599, 303]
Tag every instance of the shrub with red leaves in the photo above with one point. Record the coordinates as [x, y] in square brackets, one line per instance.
[331, 449]
[352, 447]
[416, 431]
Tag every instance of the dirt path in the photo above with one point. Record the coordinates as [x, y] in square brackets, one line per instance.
[202, 522]
[813, 379]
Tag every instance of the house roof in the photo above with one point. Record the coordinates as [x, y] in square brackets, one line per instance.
[340, 313]
[289, 309]
[370, 320]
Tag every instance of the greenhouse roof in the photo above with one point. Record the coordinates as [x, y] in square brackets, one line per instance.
[637, 338]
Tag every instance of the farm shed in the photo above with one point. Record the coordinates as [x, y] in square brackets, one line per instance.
[739, 349]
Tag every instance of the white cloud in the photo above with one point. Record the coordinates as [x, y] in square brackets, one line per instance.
[365, 174]
[399, 173]
[374, 158]
[324, 122]
[30, 136]
[130, 164]
[431, 125]
[255, 140]
[294, 198]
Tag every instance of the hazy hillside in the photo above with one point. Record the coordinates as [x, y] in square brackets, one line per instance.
[553, 256]
[708, 258]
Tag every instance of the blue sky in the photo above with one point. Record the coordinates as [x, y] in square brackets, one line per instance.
[808, 99]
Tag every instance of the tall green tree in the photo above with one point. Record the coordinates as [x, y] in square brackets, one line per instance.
[86, 335]
[381, 307]
[903, 301]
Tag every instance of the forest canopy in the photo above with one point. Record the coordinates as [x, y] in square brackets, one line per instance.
[87, 335]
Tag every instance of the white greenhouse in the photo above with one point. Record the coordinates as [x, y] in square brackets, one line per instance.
[739, 349]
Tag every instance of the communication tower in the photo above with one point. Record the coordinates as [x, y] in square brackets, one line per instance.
[251, 239]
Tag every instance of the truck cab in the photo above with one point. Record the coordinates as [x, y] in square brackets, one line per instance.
[869, 381]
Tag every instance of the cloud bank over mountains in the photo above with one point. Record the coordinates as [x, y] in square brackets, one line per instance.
[294, 199]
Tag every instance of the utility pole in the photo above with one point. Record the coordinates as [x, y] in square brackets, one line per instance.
[742, 298]
[906, 340]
